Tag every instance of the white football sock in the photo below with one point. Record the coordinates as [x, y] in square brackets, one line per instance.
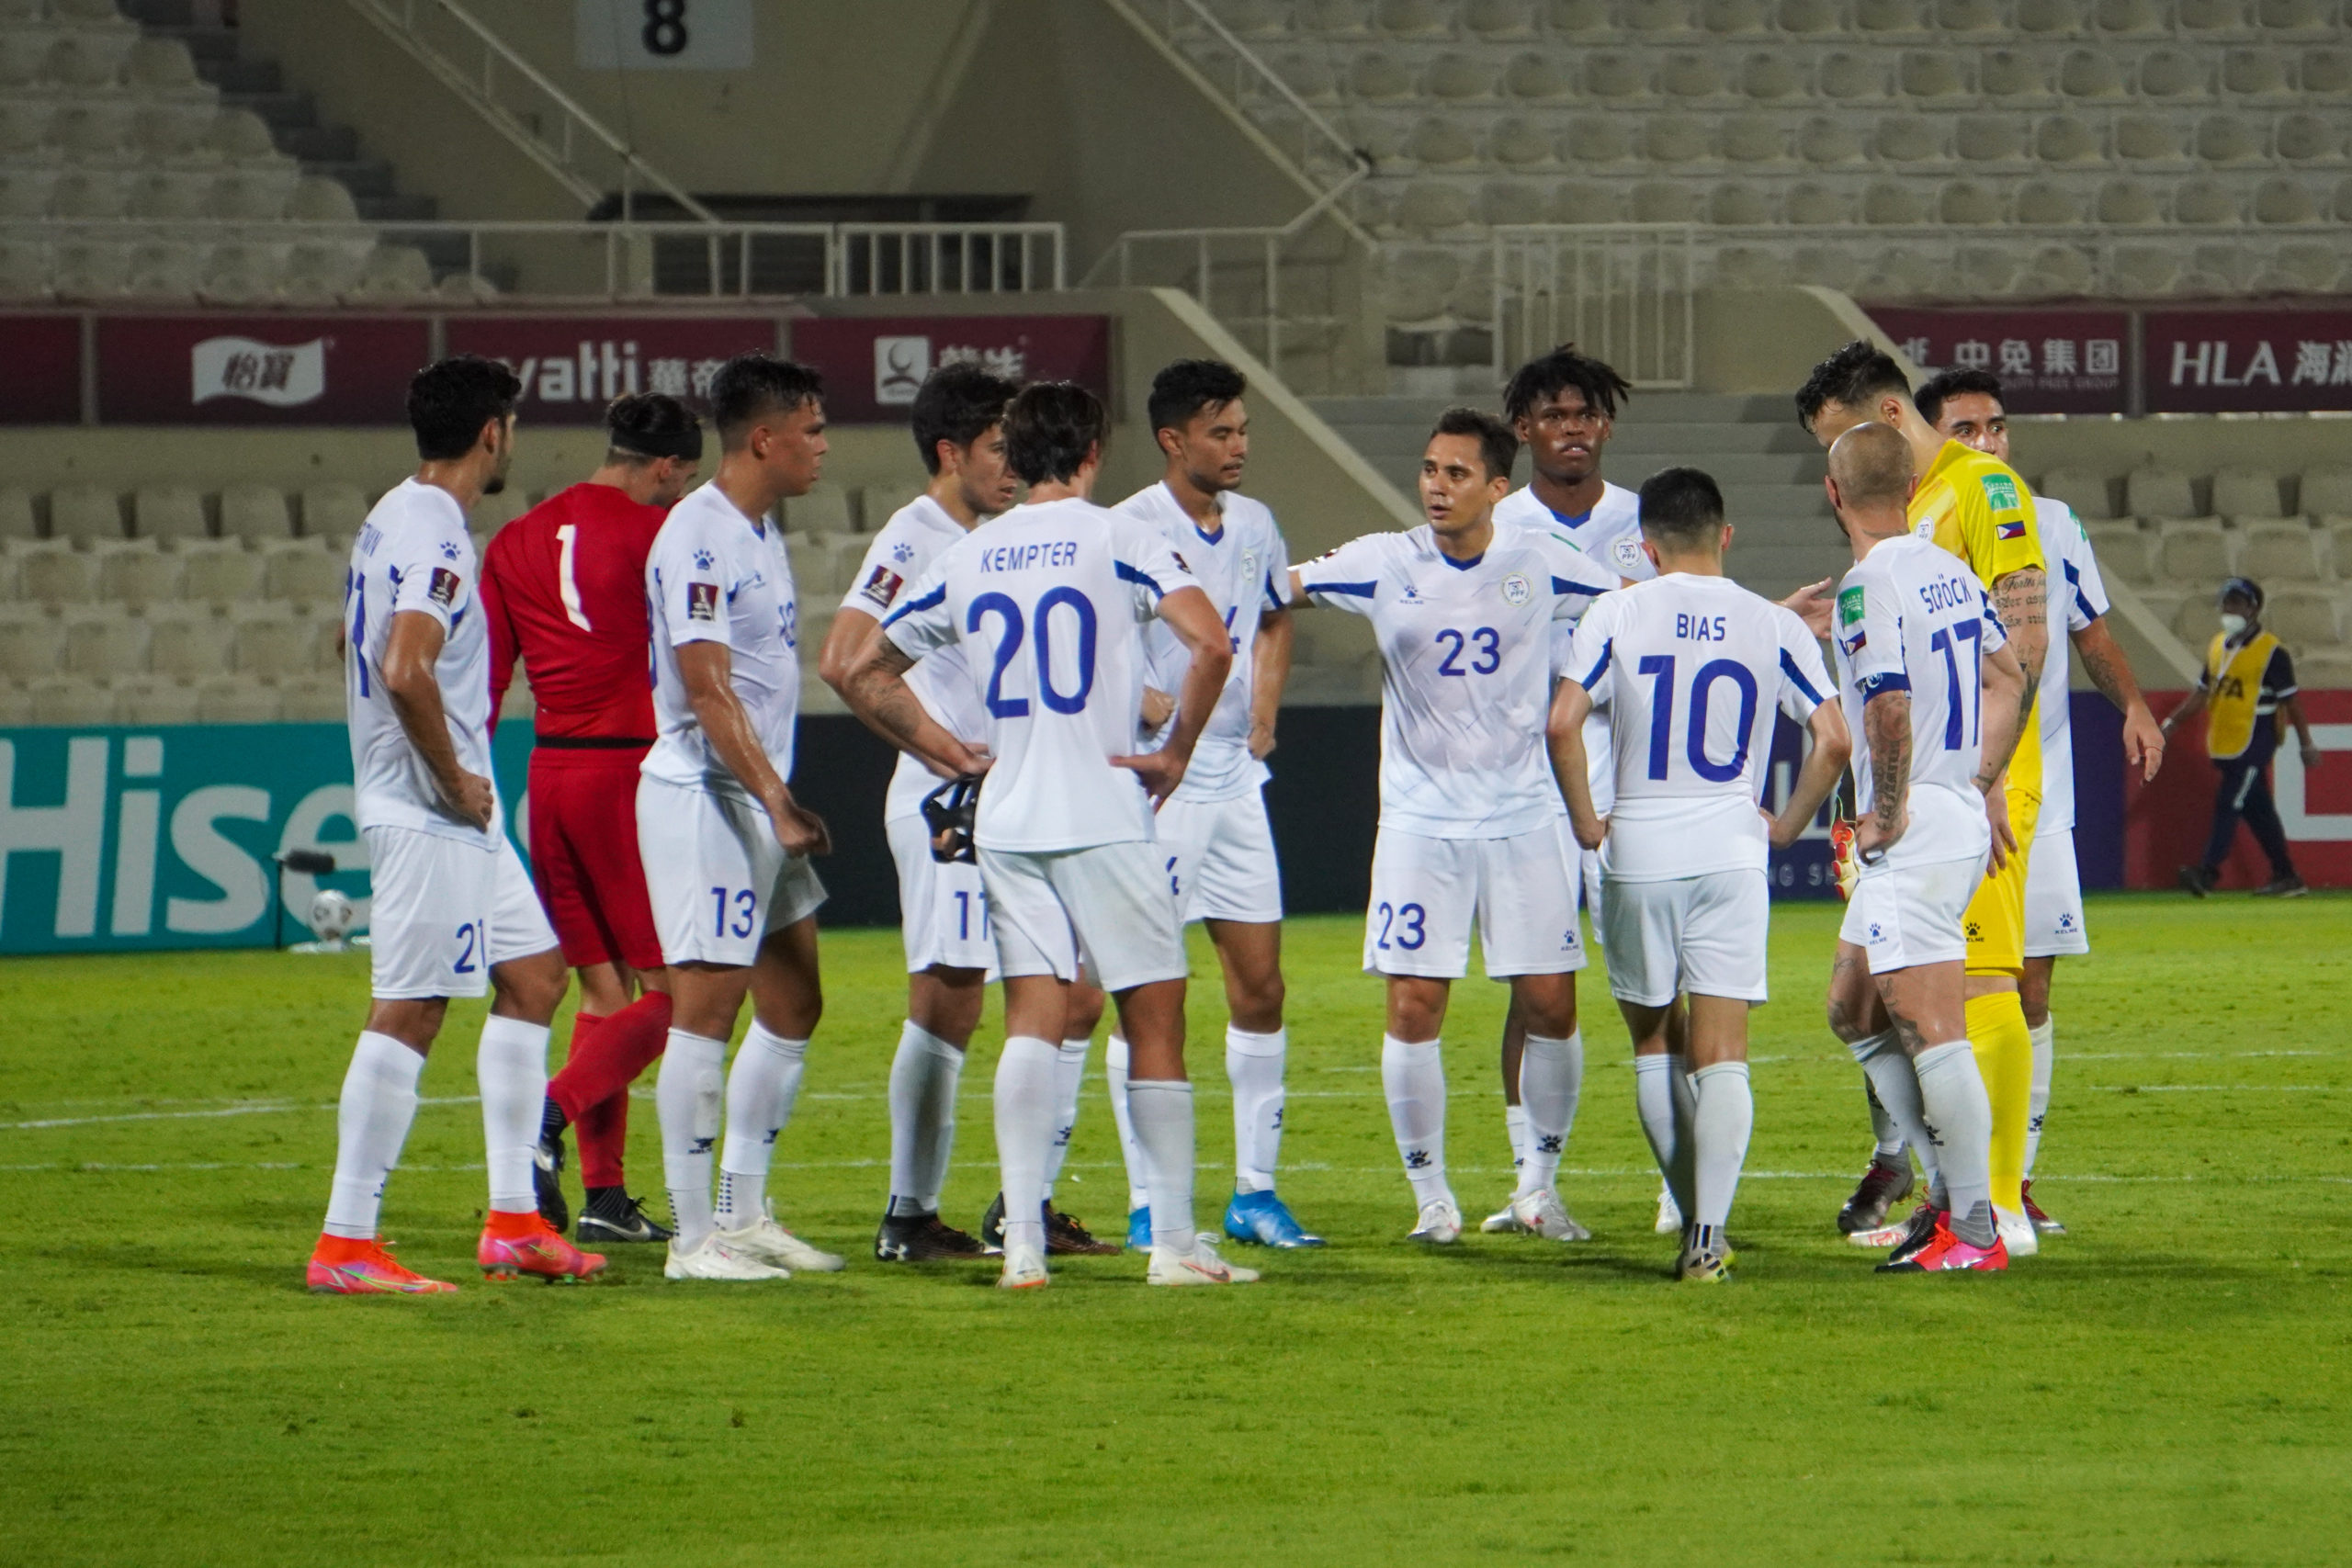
[1888, 1148]
[1253, 1063]
[1070, 1077]
[687, 1095]
[1114, 1075]
[761, 1088]
[511, 1068]
[371, 1123]
[1654, 1102]
[1414, 1078]
[1896, 1084]
[1960, 1126]
[1164, 1112]
[1719, 1128]
[2044, 1059]
[1024, 1126]
[924, 1077]
[1551, 1076]
[1515, 1124]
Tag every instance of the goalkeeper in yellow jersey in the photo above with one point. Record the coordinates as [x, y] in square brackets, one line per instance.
[1975, 507]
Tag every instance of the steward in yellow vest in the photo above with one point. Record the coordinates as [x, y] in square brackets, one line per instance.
[2247, 683]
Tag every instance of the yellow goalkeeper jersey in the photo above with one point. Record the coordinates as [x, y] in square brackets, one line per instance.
[1977, 507]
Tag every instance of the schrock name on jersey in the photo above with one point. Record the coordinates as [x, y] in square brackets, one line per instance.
[1699, 629]
[1947, 593]
[1025, 557]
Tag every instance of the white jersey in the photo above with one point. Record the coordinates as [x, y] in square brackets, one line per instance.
[1912, 618]
[1466, 671]
[717, 576]
[1051, 599]
[414, 553]
[941, 681]
[1235, 567]
[1693, 670]
[1612, 535]
[2077, 597]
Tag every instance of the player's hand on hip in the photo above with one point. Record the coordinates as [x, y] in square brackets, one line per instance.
[1996, 816]
[1590, 834]
[1159, 772]
[1812, 604]
[1871, 841]
[470, 800]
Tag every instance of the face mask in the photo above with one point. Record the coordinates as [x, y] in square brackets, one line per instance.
[2233, 625]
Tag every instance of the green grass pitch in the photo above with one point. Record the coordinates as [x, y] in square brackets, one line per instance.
[2168, 1385]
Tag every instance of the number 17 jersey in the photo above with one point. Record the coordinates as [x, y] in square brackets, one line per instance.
[1912, 618]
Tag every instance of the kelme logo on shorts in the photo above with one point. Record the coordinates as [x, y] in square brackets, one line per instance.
[1849, 606]
[2000, 493]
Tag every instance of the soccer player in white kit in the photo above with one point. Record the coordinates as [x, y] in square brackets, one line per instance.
[1051, 599]
[1215, 825]
[1562, 407]
[1933, 694]
[1692, 668]
[1966, 406]
[724, 843]
[1462, 609]
[453, 912]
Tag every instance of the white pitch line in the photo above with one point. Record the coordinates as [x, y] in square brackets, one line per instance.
[259, 1110]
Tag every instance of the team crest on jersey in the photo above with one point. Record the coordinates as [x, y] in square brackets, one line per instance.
[883, 586]
[443, 590]
[1517, 589]
[1628, 551]
[1249, 566]
[2000, 493]
[702, 601]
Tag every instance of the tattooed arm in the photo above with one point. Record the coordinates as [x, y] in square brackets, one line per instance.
[2022, 600]
[1886, 726]
[2110, 671]
[874, 687]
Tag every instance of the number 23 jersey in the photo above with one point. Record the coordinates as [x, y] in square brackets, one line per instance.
[1912, 618]
[1466, 654]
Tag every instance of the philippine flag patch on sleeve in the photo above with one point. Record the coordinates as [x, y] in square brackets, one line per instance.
[2012, 530]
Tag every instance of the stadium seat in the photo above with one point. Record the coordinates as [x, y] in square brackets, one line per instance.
[98, 130]
[2152, 492]
[2195, 619]
[2045, 204]
[171, 193]
[2303, 615]
[82, 513]
[71, 699]
[2130, 17]
[1847, 76]
[2246, 492]
[2062, 139]
[271, 644]
[52, 573]
[1738, 203]
[395, 272]
[1458, 78]
[2279, 552]
[1886, 17]
[96, 269]
[2326, 72]
[189, 645]
[2228, 139]
[1969, 16]
[1907, 138]
[1614, 75]
[2121, 549]
[136, 574]
[2289, 15]
[220, 571]
[302, 572]
[2284, 201]
[1824, 141]
[1770, 78]
[1500, 19]
[88, 59]
[1654, 18]
[1968, 202]
[2209, 16]
[1727, 19]
[2308, 138]
[90, 193]
[492, 512]
[227, 699]
[255, 513]
[147, 699]
[105, 644]
[2149, 138]
[2174, 74]
[1751, 139]
[2197, 551]
[1515, 142]
[1814, 206]
[31, 644]
[16, 520]
[333, 512]
[1532, 76]
[1575, 18]
[1584, 201]
[320, 699]
[165, 269]
[2205, 202]
[1252, 18]
[1689, 76]
[1893, 204]
[24, 272]
[1989, 139]
[1805, 17]
[2328, 493]
[1379, 78]
[1503, 202]
[1933, 75]
[163, 65]
[2012, 75]
[2081, 488]
[241, 136]
[1439, 141]
[169, 513]
[2143, 271]
[25, 192]
[1674, 138]
[2085, 73]
[2255, 72]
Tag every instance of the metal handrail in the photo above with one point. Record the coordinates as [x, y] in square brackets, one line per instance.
[401, 28]
[1590, 280]
[1349, 152]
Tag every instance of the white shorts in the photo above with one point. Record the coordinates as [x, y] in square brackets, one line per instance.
[1226, 868]
[943, 911]
[1587, 865]
[1903, 917]
[444, 912]
[1426, 894]
[2053, 900]
[1700, 934]
[717, 880]
[1112, 906]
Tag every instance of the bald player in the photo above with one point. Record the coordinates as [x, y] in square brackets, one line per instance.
[1977, 508]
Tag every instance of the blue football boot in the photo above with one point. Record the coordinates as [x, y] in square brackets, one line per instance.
[1263, 1219]
[1138, 1230]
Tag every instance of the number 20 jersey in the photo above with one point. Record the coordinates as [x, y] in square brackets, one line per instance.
[1693, 669]
[1049, 601]
[1466, 657]
[1912, 618]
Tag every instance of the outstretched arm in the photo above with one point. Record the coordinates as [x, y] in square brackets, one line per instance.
[2111, 671]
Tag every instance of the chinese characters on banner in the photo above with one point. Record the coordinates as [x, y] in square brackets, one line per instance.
[258, 370]
[872, 365]
[572, 367]
[2049, 361]
[2247, 361]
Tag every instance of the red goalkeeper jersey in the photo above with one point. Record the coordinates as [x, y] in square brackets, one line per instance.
[564, 586]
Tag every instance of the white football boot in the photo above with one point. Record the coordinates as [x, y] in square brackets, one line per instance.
[1201, 1265]
[1025, 1270]
[2017, 1231]
[1502, 1220]
[1439, 1222]
[770, 1243]
[1540, 1212]
[1670, 1213]
[713, 1259]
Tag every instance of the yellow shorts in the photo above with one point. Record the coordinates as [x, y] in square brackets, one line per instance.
[1995, 917]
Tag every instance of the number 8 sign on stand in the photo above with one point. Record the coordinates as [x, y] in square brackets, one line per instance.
[663, 35]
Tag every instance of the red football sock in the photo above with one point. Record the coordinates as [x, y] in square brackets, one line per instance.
[592, 1088]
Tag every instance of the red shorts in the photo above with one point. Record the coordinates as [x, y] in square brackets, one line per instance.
[583, 855]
